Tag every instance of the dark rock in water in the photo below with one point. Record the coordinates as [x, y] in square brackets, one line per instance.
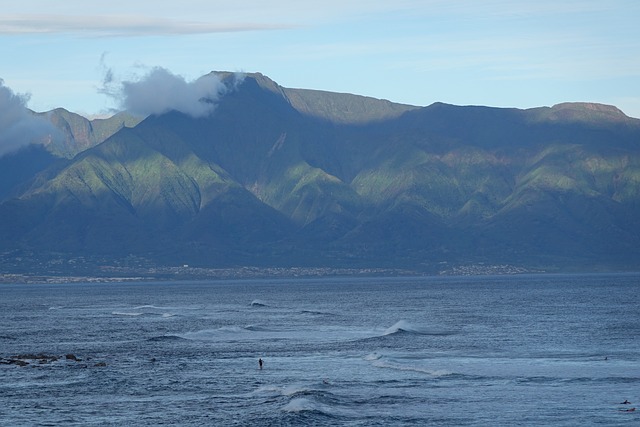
[40, 358]
[13, 361]
[43, 359]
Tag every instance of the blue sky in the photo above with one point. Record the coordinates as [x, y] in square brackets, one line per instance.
[470, 52]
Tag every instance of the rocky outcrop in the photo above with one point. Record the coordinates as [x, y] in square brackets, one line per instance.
[27, 359]
[43, 359]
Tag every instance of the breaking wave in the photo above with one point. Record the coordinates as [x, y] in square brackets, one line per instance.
[400, 367]
[378, 361]
[403, 326]
[301, 404]
[232, 332]
[372, 356]
[258, 303]
[289, 390]
[316, 313]
[147, 310]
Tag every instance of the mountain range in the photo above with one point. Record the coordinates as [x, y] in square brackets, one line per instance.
[294, 177]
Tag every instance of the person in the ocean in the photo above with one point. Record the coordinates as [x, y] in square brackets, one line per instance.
[626, 402]
[260, 363]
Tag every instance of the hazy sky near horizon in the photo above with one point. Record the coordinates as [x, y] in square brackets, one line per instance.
[502, 53]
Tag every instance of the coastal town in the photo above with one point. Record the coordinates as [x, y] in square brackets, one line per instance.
[27, 268]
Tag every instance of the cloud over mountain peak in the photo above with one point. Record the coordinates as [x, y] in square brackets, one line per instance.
[160, 91]
[19, 127]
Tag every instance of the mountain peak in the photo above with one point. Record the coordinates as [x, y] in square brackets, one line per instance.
[343, 108]
[235, 79]
[586, 111]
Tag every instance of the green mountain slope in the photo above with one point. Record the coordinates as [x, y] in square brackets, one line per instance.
[75, 134]
[79, 133]
[279, 176]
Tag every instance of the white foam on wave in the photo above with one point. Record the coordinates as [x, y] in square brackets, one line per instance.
[399, 367]
[307, 404]
[268, 389]
[372, 356]
[404, 326]
[127, 313]
[258, 303]
[379, 361]
[257, 328]
[288, 390]
[147, 310]
[231, 329]
[302, 404]
[152, 307]
[227, 332]
[400, 326]
[141, 313]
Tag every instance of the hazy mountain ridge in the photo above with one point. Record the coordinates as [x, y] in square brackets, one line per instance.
[75, 134]
[80, 133]
[299, 177]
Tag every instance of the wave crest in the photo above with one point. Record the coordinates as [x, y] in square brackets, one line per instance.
[403, 326]
[301, 404]
[399, 367]
[258, 303]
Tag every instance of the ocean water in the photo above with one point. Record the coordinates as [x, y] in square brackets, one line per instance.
[516, 350]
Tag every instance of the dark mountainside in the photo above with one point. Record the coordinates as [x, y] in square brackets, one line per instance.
[290, 177]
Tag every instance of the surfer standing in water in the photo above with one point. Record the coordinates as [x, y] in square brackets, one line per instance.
[260, 363]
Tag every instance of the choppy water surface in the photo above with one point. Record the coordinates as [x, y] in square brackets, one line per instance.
[538, 350]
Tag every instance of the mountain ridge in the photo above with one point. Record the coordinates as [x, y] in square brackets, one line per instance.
[295, 177]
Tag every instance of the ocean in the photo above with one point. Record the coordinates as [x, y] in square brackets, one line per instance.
[557, 350]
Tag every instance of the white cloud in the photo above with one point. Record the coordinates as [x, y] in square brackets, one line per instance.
[120, 26]
[160, 91]
[19, 127]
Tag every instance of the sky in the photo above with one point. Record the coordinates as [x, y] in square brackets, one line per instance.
[500, 53]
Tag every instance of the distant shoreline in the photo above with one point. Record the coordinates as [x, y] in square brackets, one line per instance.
[189, 274]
